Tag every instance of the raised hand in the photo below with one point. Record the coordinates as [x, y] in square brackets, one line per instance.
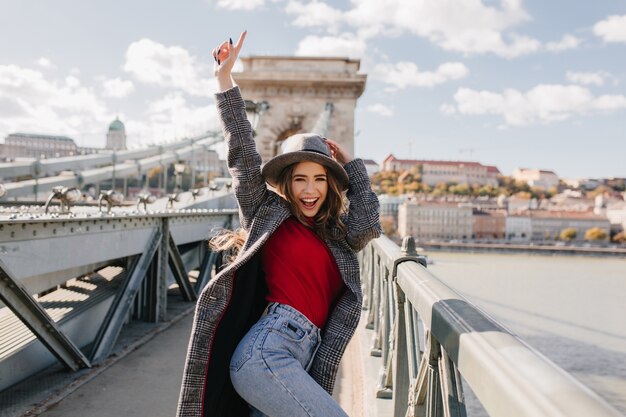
[337, 152]
[225, 56]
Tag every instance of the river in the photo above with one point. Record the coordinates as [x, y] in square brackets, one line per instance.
[571, 309]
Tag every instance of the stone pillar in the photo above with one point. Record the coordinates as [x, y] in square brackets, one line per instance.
[297, 90]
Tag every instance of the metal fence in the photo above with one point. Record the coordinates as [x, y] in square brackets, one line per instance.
[66, 309]
[433, 342]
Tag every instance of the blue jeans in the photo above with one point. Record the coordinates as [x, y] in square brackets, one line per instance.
[269, 367]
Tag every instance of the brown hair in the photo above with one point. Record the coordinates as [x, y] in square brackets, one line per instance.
[329, 214]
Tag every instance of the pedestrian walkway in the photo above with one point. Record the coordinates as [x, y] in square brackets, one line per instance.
[146, 381]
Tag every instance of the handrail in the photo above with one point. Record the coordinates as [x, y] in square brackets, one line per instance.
[429, 336]
[85, 169]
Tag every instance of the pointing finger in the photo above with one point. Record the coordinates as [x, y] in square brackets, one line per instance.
[239, 43]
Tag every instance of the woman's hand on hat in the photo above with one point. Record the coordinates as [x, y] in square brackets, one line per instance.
[338, 152]
[225, 56]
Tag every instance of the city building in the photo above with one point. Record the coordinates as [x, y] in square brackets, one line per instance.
[389, 204]
[544, 225]
[616, 213]
[488, 225]
[116, 136]
[435, 220]
[536, 177]
[371, 166]
[435, 172]
[517, 228]
[32, 145]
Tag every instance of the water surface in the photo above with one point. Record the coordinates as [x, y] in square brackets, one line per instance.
[571, 309]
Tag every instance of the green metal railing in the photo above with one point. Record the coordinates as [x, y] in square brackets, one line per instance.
[433, 342]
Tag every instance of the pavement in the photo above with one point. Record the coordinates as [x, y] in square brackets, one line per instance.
[145, 380]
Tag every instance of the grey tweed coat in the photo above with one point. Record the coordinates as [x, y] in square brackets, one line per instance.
[234, 299]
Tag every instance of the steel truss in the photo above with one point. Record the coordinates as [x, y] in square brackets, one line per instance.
[152, 248]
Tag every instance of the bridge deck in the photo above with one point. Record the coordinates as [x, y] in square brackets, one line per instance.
[143, 377]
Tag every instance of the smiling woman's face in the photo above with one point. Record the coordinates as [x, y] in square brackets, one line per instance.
[309, 186]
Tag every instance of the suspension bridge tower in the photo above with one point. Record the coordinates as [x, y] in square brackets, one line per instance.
[304, 94]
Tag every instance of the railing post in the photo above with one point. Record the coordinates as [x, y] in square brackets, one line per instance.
[392, 326]
[379, 300]
[434, 406]
[385, 336]
[400, 370]
[373, 291]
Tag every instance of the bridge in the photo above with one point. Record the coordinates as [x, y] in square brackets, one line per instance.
[79, 287]
[97, 301]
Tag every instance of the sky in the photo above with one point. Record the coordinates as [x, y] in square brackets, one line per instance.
[511, 83]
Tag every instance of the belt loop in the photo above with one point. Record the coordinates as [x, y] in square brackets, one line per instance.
[266, 311]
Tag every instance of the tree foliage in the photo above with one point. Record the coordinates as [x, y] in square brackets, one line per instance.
[401, 182]
[595, 233]
[568, 234]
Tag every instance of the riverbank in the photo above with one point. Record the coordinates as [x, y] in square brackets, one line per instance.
[517, 248]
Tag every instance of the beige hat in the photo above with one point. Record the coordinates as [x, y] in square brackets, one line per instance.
[304, 147]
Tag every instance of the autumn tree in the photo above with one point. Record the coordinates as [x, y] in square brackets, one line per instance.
[595, 233]
[568, 234]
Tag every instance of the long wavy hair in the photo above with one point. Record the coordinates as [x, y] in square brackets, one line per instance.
[327, 218]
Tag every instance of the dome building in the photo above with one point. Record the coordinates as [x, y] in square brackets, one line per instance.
[116, 136]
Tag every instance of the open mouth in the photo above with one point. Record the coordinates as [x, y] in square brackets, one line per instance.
[309, 203]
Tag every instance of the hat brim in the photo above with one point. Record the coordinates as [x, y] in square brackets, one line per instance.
[274, 167]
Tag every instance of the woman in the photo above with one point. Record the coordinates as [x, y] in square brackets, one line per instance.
[270, 329]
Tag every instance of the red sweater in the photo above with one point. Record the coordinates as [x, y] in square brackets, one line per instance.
[300, 271]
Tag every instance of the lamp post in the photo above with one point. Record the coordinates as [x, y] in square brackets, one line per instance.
[254, 111]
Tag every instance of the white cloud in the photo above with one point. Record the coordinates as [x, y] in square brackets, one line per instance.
[381, 109]
[240, 4]
[314, 13]
[344, 45]
[587, 78]
[407, 74]
[36, 104]
[45, 63]
[447, 108]
[611, 29]
[469, 27]
[566, 42]
[541, 104]
[172, 67]
[173, 117]
[71, 81]
[117, 88]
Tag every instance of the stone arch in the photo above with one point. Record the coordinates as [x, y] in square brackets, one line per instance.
[297, 90]
[280, 138]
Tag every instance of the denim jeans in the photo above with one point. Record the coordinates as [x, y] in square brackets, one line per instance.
[269, 367]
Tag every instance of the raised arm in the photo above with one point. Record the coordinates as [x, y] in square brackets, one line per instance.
[244, 162]
[363, 218]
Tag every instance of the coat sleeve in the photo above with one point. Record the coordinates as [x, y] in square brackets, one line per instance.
[363, 217]
[244, 162]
